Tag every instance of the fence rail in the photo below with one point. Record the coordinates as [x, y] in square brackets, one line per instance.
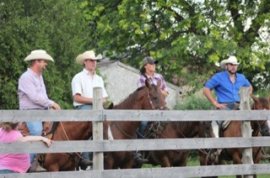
[98, 145]
[142, 144]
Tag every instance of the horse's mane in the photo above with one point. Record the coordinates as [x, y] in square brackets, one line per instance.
[129, 100]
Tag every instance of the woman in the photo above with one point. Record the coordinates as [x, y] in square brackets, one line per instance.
[16, 163]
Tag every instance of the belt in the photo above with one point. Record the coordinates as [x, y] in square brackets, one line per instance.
[79, 106]
[232, 105]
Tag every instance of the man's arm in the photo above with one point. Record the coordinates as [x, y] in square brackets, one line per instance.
[207, 92]
[81, 99]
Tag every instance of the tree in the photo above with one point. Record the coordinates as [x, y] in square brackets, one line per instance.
[187, 37]
[56, 26]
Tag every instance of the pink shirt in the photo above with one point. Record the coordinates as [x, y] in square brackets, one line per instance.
[14, 162]
[32, 92]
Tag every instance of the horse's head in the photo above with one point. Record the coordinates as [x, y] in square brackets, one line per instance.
[155, 97]
[261, 104]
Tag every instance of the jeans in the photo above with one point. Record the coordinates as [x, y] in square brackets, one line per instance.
[142, 128]
[35, 128]
[6, 171]
[85, 155]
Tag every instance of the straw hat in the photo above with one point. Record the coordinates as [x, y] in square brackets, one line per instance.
[87, 55]
[230, 60]
[38, 54]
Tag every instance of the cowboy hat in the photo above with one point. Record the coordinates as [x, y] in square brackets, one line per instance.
[230, 60]
[87, 55]
[38, 54]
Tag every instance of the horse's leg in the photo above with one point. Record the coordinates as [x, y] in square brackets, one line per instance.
[165, 162]
[236, 155]
[108, 161]
[128, 163]
[53, 167]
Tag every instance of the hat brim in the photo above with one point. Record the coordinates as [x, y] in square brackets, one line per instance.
[80, 59]
[33, 57]
[224, 62]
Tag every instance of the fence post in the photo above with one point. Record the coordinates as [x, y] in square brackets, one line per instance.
[246, 127]
[97, 128]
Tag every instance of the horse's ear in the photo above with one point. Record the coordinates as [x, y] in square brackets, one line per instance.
[147, 83]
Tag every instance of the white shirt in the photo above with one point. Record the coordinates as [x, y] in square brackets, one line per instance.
[83, 84]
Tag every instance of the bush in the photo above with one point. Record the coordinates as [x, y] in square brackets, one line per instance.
[194, 102]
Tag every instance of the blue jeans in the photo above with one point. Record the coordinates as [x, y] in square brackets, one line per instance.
[142, 128]
[35, 128]
[6, 171]
[85, 155]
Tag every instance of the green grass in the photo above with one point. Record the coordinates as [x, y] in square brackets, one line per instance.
[194, 162]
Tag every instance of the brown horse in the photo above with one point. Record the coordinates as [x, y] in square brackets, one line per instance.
[66, 131]
[168, 158]
[147, 97]
[234, 130]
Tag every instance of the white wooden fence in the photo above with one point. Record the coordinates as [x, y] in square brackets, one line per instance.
[99, 146]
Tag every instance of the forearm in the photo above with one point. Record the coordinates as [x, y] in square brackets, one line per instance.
[31, 138]
[208, 94]
[82, 99]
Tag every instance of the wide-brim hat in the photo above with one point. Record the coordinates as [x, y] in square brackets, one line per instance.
[38, 54]
[87, 55]
[230, 60]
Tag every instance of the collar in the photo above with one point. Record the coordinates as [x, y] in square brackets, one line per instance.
[33, 73]
[88, 73]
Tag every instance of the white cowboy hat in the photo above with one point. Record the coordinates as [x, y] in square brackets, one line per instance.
[38, 54]
[87, 55]
[230, 60]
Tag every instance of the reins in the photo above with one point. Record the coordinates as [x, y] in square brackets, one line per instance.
[65, 133]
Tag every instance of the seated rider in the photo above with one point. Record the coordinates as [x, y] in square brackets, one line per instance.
[148, 71]
[226, 85]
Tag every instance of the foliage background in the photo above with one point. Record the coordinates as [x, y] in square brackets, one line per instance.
[188, 37]
[56, 26]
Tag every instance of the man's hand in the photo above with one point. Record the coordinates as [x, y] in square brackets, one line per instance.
[55, 106]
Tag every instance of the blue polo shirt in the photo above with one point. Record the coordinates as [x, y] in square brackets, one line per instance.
[226, 91]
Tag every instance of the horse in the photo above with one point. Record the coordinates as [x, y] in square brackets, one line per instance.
[234, 130]
[61, 131]
[66, 131]
[262, 103]
[186, 129]
[147, 97]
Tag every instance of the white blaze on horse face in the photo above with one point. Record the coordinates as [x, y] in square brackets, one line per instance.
[110, 136]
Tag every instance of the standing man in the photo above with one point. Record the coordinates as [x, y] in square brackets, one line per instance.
[32, 91]
[82, 88]
[226, 85]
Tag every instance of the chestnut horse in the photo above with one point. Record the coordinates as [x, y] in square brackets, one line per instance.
[66, 131]
[169, 158]
[148, 97]
[234, 130]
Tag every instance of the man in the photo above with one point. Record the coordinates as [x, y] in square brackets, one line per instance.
[32, 92]
[82, 88]
[227, 86]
